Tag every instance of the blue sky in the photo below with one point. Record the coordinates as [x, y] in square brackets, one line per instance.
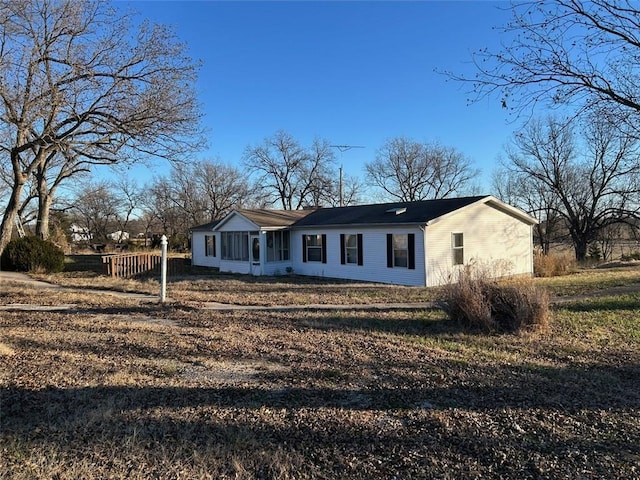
[355, 73]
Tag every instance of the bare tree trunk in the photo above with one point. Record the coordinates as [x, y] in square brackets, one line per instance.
[10, 213]
[44, 206]
[580, 245]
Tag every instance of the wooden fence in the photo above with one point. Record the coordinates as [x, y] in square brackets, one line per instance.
[136, 264]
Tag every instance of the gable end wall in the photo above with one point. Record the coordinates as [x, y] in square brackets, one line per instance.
[492, 238]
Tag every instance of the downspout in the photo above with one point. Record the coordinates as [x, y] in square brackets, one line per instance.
[423, 228]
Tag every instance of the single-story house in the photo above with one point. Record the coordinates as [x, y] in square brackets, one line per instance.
[421, 243]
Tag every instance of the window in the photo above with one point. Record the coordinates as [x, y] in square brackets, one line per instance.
[457, 242]
[351, 249]
[278, 246]
[401, 250]
[314, 248]
[209, 246]
[235, 246]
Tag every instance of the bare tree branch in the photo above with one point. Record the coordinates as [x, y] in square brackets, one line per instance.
[409, 171]
[79, 80]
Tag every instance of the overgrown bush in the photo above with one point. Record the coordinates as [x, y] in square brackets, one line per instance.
[552, 265]
[32, 254]
[477, 302]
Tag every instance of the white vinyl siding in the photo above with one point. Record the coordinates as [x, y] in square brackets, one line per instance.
[492, 239]
[200, 248]
[374, 257]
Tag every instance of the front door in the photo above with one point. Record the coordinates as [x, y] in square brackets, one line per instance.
[255, 255]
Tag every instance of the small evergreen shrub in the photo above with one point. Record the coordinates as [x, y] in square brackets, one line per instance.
[477, 302]
[31, 254]
[595, 253]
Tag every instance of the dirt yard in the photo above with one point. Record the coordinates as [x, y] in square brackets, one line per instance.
[116, 388]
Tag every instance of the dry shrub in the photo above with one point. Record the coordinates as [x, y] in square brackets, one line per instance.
[552, 265]
[478, 302]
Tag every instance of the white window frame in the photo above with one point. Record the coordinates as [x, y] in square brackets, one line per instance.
[457, 248]
[405, 257]
[314, 244]
[351, 251]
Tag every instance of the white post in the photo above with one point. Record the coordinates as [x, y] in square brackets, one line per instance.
[163, 269]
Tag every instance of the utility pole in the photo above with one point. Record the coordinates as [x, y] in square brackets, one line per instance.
[343, 148]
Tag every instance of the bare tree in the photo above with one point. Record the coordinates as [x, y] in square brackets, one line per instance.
[159, 204]
[352, 192]
[186, 196]
[129, 198]
[197, 193]
[567, 52]
[290, 174]
[594, 188]
[517, 189]
[409, 171]
[53, 171]
[79, 81]
[222, 186]
[96, 209]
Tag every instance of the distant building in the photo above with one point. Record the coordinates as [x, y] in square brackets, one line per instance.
[80, 234]
[119, 236]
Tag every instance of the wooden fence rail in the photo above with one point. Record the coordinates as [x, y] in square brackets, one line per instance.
[135, 264]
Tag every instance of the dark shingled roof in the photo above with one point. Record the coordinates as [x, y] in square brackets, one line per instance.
[274, 218]
[378, 214]
[205, 227]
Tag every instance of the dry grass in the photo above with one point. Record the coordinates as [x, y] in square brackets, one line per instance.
[248, 290]
[553, 265]
[297, 290]
[150, 392]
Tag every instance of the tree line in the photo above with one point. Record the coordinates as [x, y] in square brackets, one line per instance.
[279, 173]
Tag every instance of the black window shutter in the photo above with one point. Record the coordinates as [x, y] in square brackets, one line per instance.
[412, 251]
[389, 250]
[214, 245]
[206, 253]
[324, 248]
[342, 253]
[304, 248]
[360, 256]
